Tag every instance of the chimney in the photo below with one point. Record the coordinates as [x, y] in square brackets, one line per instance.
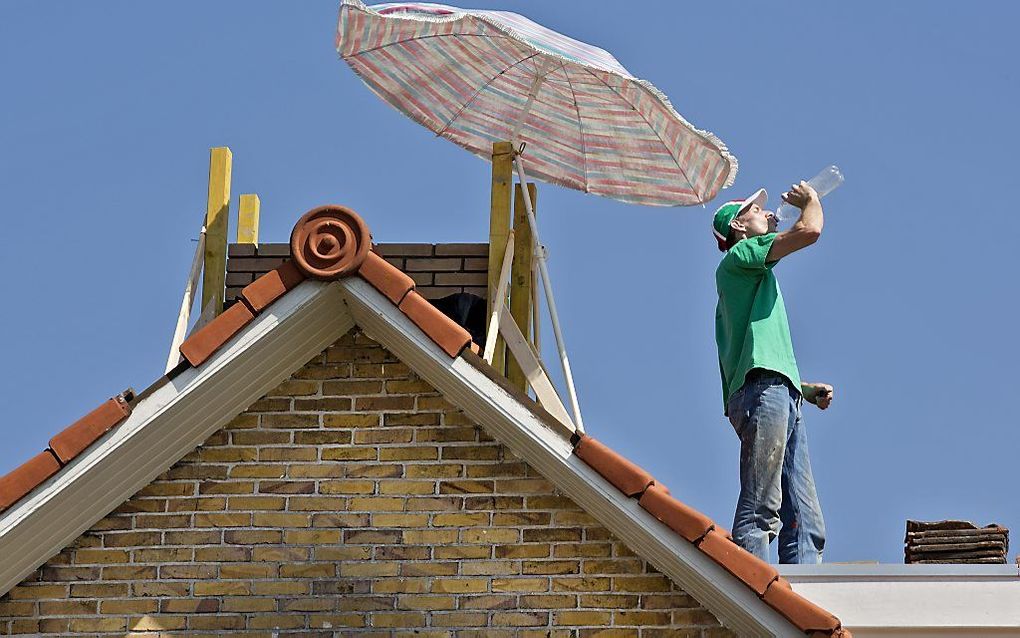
[438, 271]
[953, 542]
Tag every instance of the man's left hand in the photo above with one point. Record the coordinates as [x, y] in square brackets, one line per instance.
[818, 393]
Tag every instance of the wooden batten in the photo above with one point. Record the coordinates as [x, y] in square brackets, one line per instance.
[217, 213]
[499, 230]
[521, 280]
[248, 219]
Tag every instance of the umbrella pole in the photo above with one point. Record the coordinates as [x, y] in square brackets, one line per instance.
[547, 285]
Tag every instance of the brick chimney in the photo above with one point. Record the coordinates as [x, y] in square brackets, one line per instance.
[438, 270]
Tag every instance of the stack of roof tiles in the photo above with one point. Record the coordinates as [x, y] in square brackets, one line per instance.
[955, 542]
[709, 537]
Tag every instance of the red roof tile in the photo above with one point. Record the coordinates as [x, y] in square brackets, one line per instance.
[201, 345]
[753, 571]
[271, 286]
[800, 611]
[81, 434]
[26, 477]
[682, 519]
[386, 278]
[447, 333]
[626, 476]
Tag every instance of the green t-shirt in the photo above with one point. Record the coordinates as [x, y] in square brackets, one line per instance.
[751, 328]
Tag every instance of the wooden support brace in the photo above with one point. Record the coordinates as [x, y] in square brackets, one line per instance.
[534, 371]
[492, 334]
[184, 314]
[521, 281]
[217, 212]
[499, 230]
[248, 219]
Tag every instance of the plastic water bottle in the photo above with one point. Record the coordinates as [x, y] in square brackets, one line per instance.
[823, 183]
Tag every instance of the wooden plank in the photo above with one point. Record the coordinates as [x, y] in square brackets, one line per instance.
[521, 282]
[499, 230]
[533, 371]
[184, 314]
[492, 332]
[248, 219]
[217, 212]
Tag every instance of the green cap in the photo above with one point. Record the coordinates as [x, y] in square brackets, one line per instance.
[725, 214]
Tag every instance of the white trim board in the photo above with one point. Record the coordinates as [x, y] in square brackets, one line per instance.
[921, 600]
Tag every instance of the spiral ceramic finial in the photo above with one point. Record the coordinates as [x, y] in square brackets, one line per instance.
[329, 242]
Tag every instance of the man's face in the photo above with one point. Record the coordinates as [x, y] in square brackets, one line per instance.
[755, 221]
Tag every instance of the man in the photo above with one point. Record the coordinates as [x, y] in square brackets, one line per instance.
[762, 390]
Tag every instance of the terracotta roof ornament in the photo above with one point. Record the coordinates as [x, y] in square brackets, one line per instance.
[329, 242]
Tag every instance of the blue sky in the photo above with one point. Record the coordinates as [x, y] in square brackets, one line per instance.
[905, 305]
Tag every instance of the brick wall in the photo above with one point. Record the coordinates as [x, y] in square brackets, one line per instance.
[437, 269]
[352, 499]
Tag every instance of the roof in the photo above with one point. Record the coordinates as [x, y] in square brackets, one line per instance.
[291, 311]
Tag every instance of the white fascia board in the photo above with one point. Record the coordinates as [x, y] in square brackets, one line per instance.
[548, 450]
[922, 600]
[169, 423]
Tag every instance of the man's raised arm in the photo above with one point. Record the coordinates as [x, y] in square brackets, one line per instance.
[808, 228]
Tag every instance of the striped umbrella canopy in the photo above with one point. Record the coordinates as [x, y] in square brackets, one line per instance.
[478, 77]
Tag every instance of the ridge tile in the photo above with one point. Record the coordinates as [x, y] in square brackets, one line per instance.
[82, 433]
[679, 517]
[271, 286]
[446, 332]
[628, 477]
[386, 278]
[804, 614]
[201, 345]
[17, 483]
[753, 571]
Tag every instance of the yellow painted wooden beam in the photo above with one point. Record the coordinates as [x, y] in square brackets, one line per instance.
[521, 279]
[499, 229]
[248, 219]
[217, 212]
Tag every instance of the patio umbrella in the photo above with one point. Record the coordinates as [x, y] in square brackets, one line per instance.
[479, 77]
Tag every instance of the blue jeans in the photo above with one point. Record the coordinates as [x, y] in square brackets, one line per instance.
[777, 490]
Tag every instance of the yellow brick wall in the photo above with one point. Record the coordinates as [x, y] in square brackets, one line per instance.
[352, 499]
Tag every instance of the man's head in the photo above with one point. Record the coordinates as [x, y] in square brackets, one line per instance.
[739, 219]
